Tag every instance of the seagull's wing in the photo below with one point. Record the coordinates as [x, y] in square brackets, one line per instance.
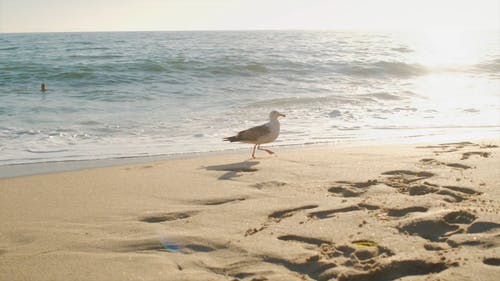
[254, 133]
[251, 135]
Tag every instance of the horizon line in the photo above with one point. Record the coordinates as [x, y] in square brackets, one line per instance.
[265, 29]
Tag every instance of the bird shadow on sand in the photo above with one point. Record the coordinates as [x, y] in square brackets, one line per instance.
[234, 169]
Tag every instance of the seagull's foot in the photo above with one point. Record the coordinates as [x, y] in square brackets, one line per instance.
[269, 151]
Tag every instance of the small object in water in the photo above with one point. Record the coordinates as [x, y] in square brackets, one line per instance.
[43, 88]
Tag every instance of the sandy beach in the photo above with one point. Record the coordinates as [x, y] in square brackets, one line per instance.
[387, 212]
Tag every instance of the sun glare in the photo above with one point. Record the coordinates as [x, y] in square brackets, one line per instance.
[448, 48]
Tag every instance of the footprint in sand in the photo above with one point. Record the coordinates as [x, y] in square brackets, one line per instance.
[396, 269]
[434, 230]
[467, 155]
[468, 224]
[268, 184]
[488, 146]
[277, 216]
[138, 246]
[186, 245]
[458, 166]
[360, 251]
[162, 217]
[307, 240]
[399, 177]
[415, 184]
[405, 211]
[330, 213]
[362, 255]
[433, 162]
[361, 260]
[441, 228]
[351, 189]
[409, 181]
[449, 147]
[344, 191]
[459, 217]
[212, 202]
[456, 193]
[483, 226]
[461, 189]
[492, 261]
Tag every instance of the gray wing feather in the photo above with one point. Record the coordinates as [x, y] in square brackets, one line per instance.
[254, 133]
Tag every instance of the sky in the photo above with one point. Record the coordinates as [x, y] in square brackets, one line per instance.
[142, 15]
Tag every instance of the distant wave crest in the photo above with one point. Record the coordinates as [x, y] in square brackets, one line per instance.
[344, 99]
[384, 69]
[492, 66]
[9, 48]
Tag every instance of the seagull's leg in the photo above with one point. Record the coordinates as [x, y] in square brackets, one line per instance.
[253, 152]
[266, 150]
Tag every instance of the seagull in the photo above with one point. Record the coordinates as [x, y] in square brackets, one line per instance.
[260, 134]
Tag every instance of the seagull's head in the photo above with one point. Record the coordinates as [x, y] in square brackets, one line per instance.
[275, 114]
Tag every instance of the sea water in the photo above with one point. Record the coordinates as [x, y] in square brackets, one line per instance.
[126, 94]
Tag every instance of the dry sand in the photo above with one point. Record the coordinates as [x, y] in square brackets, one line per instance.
[405, 212]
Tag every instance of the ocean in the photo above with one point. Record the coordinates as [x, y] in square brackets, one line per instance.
[128, 94]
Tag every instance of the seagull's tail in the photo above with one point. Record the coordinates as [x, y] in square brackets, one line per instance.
[231, 139]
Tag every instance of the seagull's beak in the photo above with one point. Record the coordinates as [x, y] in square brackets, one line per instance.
[282, 115]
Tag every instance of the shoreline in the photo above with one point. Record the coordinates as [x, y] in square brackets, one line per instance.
[56, 166]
